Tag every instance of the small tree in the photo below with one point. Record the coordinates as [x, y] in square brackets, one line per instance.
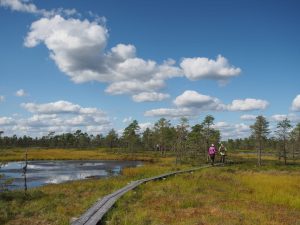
[111, 139]
[295, 137]
[131, 135]
[162, 132]
[207, 127]
[260, 131]
[283, 132]
[182, 134]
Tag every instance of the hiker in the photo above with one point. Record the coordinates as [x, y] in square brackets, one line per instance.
[212, 153]
[222, 151]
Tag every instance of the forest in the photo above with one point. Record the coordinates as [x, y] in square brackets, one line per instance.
[184, 140]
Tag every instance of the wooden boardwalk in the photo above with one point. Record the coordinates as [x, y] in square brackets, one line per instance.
[94, 214]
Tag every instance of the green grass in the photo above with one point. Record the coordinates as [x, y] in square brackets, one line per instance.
[240, 193]
[213, 196]
[57, 204]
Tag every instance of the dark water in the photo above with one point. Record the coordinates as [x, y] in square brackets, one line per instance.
[53, 172]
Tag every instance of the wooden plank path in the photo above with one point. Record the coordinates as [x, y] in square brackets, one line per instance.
[94, 214]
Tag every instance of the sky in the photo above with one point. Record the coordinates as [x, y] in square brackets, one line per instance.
[95, 65]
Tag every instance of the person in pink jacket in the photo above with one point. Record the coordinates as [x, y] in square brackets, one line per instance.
[212, 153]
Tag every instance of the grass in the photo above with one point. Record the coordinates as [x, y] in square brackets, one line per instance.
[57, 204]
[240, 193]
[7, 155]
[213, 196]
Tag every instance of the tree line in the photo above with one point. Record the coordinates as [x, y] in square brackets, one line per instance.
[284, 143]
[182, 139]
[163, 137]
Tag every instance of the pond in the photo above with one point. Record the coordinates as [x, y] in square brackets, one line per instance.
[40, 173]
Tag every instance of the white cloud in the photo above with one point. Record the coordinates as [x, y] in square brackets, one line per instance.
[193, 99]
[6, 121]
[27, 7]
[296, 103]
[78, 49]
[127, 120]
[248, 104]
[21, 93]
[2, 98]
[248, 117]
[191, 103]
[145, 125]
[279, 117]
[60, 116]
[134, 86]
[149, 97]
[62, 107]
[233, 131]
[18, 5]
[204, 68]
[167, 112]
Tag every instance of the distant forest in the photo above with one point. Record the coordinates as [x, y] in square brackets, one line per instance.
[166, 137]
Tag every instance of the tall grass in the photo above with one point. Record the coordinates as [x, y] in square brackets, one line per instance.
[213, 196]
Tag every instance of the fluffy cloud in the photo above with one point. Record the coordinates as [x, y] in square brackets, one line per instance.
[6, 121]
[78, 49]
[248, 117]
[2, 98]
[145, 125]
[60, 107]
[191, 103]
[60, 116]
[279, 117]
[239, 130]
[248, 104]
[167, 112]
[193, 99]
[127, 119]
[149, 97]
[27, 7]
[204, 68]
[296, 103]
[18, 5]
[21, 93]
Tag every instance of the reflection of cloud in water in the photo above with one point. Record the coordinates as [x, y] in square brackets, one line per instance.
[55, 179]
[45, 172]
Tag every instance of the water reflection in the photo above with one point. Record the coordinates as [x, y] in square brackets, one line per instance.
[53, 172]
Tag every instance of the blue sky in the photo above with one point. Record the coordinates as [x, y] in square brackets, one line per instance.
[96, 65]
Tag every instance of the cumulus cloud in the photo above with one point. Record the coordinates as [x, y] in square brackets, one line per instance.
[149, 97]
[248, 117]
[2, 98]
[291, 116]
[228, 130]
[60, 116]
[204, 68]
[127, 119]
[248, 104]
[191, 103]
[296, 103]
[18, 5]
[21, 93]
[78, 47]
[28, 7]
[6, 121]
[171, 112]
[145, 125]
[193, 99]
[60, 107]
